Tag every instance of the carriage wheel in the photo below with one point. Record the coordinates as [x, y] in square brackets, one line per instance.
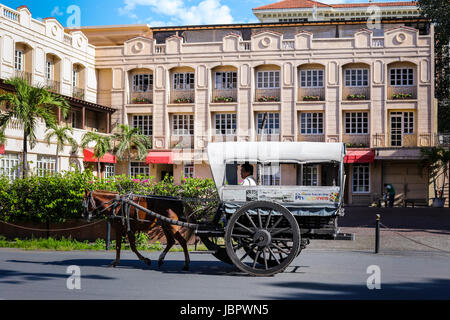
[262, 238]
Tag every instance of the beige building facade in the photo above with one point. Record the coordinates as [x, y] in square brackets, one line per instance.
[44, 54]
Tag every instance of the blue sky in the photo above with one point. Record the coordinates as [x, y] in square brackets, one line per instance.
[153, 12]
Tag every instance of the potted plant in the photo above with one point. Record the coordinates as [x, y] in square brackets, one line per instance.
[356, 97]
[183, 100]
[311, 98]
[141, 100]
[436, 161]
[268, 99]
[399, 96]
[223, 99]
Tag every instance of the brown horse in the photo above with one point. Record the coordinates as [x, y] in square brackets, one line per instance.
[106, 203]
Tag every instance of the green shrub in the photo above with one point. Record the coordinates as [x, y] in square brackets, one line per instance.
[55, 199]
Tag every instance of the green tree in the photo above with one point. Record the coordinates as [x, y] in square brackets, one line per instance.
[63, 137]
[28, 105]
[437, 161]
[129, 139]
[102, 145]
[438, 11]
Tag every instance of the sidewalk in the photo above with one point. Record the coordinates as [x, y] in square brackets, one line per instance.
[430, 226]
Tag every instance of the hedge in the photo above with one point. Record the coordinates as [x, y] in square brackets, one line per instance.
[55, 199]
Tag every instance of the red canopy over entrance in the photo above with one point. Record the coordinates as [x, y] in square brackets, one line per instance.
[107, 158]
[159, 157]
[359, 156]
[2, 149]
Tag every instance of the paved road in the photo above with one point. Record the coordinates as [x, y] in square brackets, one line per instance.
[316, 274]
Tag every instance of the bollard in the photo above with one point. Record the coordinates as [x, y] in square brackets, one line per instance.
[377, 234]
[108, 235]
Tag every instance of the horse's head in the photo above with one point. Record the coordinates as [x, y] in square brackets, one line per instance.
[89, 205]
[100, 202]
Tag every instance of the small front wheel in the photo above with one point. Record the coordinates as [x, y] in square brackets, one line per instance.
[262, 238]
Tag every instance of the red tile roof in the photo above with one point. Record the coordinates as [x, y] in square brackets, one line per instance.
[379, 4]
[293, 4]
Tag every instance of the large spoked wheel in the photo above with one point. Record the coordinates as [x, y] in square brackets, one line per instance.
[262, 238]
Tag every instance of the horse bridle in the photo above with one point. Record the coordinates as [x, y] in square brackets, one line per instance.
[90, 201]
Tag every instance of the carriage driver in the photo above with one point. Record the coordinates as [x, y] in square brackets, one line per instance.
[247, 175]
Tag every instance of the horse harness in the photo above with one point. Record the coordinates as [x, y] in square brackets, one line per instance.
[125, 204]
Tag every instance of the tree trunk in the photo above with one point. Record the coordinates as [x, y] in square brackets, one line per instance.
[98, 169]
[24, 160]
[57, 161]
[129, 163]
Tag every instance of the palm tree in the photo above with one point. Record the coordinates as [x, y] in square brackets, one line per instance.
[63, 136]
[102, 145]
[437, 161]
[27, 106]
[131, 138]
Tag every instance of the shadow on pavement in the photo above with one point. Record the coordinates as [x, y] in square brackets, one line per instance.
[21, 276]
[398, 218]
[199, 267]
[432, 289]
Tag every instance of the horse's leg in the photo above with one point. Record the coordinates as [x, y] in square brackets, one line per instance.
[132, 240]
[170, 242]
[119, 233]
[182, 241]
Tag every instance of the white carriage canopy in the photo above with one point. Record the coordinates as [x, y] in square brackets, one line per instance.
[222, 153]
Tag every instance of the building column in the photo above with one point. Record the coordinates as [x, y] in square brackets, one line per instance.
[108, 122]
[83, 117]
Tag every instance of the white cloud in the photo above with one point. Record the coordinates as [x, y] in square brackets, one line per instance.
[179, 12]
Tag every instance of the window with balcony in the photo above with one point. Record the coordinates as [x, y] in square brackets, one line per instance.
[143, 122]
[361, 178]
[402, 123]
[75, 77]
[183, 81]
[356, 77]
[188, 170]
[311, 123]
[48, 70]
[225, 80]
[310, 175]
[10, 165]
[311, 78]
[142, 82]
[19, 60]
[225, 124]
[139, 169]
[271, 123]
[183, 125]
[402, 77]
[46, 166]
[357, 123]
[268, 79]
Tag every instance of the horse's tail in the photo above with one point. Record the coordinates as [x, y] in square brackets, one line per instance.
[190, 232]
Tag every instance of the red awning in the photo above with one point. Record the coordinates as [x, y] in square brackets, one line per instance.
[2, 149]
[359, 156]
[107, 158]
[159, 157]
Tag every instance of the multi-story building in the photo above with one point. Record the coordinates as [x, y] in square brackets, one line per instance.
[322, 81]
[309, 10]
[46, 55]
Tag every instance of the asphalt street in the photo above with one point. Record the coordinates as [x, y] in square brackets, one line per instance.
[315, 274]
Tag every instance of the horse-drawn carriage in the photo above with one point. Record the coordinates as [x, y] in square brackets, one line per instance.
[261, 229]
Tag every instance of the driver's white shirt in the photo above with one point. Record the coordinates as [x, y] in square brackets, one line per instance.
[249, 181]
